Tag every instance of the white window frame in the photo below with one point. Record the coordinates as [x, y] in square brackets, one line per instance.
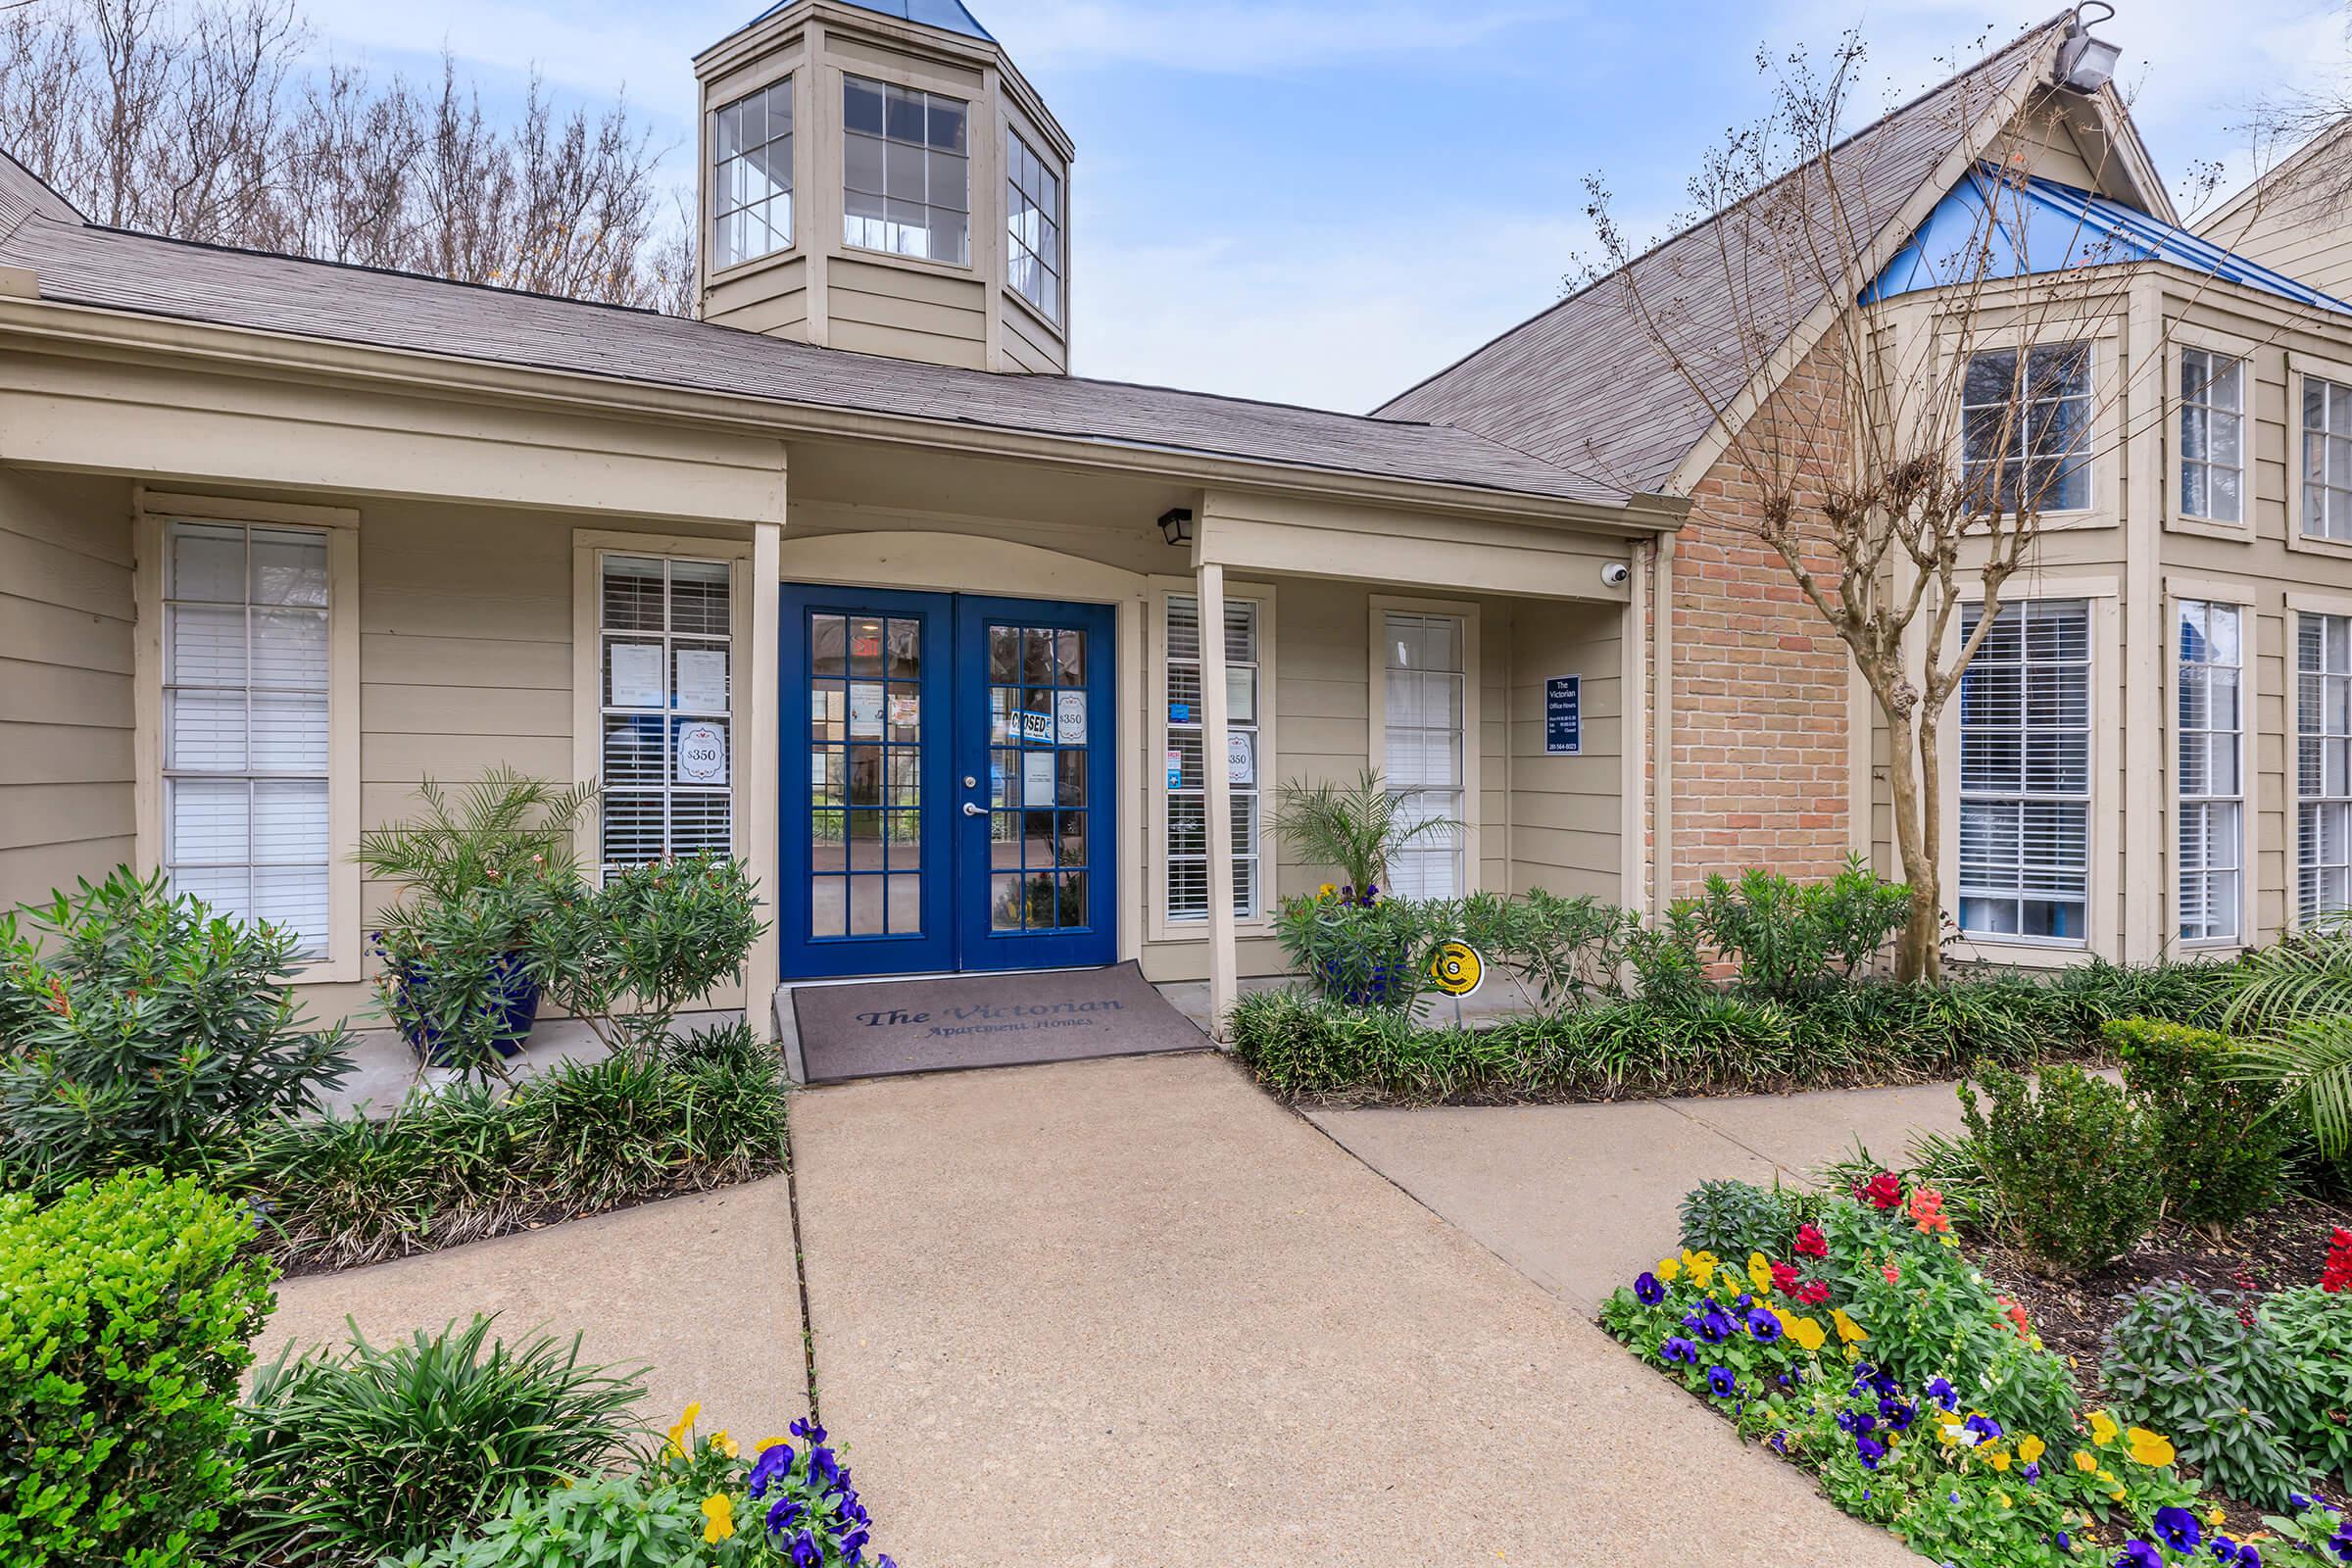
[2183, 606]
[723, 206]
[2203, 407]
[2303, 370]
[2089, 467]
[589, 548]
[2097, 809]
[2307, 613]
[1159, 924]
[969, 155]
[155, 511]
[1017, 197]
[1376, 748]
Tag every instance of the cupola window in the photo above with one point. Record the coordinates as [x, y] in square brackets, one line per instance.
[905, 171]
[751, 176]
[1033, 228]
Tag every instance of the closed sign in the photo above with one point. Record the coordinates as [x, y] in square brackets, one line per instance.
[701, 752]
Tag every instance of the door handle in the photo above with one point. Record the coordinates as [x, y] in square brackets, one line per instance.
[970, 809]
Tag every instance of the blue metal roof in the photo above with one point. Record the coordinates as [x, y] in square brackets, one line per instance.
[2044, 227]
[949, 16]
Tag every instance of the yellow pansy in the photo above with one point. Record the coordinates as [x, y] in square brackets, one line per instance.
[766, 1444]
[1668, 1269]
[2003, 1498]
[1851, 1332]
[2216, 1518]
[1808, 1333]
[1852, 1353]
[2147, 1448]
[1701, 1266]
[2084, 1462]
[2000, 1458]
[1327, 891]
[724, 1443]
[2103, 1427]
[1759, 1272]
[718, 1512]
[2030, 1448]
[2117, 1494]
[1947, 1433]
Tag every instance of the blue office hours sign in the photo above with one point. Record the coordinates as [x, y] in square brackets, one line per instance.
[1564, 715]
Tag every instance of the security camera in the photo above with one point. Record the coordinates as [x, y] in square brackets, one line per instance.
[1615, 573]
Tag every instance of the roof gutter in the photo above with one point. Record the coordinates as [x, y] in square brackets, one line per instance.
[65, 326]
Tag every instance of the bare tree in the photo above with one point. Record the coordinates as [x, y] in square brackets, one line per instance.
[1901, 472]
[201, 119]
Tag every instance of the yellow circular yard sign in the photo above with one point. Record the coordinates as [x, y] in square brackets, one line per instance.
[1458, 968]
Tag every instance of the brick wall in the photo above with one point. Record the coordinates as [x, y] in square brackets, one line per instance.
[1760, 682]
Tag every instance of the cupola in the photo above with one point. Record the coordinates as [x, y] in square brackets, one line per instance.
[881, 177]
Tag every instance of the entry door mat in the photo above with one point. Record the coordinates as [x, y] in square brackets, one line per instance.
[985, 1021]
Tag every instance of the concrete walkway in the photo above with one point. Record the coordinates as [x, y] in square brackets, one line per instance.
[1133, 1312]
[1582, 1197]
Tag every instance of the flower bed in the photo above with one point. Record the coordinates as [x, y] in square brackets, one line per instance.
[1857, 1340]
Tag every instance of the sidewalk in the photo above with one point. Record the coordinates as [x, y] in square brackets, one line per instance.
[1580, 1199]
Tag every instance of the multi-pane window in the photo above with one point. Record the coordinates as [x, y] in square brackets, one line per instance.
[2327, 459]
[2324, 765]
[666, 656]
[905, 171]
[2213, 467]
[865, 775]
[245, 722]
[1188, 809]
[1426, 699]
[2026, 426]
[1040, 736]
[1033, 228]
[2025, 774]
[751, 176]
[2209, 737]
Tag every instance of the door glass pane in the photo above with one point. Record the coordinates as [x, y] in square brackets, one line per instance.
[1039, 721]
[864, 825]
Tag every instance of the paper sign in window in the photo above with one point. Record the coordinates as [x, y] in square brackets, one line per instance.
[703, 678]
[1037, 778]
[701, 752]
[636, 676]
[866, 710]
[1241, 757]
[1069, 717]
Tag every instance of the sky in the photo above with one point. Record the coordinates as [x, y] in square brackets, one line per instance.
[1319, 202]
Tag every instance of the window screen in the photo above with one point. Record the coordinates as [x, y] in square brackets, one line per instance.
[1426, 702]
[2025, 774]
[245, 722]
[1188, 809]
[666, 671]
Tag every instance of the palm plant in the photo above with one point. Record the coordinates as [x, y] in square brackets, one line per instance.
[503, 827]
[2293, 1003]
[1359, 828]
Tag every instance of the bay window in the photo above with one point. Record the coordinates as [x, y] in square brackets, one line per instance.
[2026, 418]
[2025, 774]
[905, 171]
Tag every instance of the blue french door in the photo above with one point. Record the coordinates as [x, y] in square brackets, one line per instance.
[947, 783]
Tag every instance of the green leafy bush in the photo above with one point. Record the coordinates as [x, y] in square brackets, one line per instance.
[471, 1162]
[1788, 939]
[1734, 1218]
[2074, 1163]
[627, 957]
[2219, 1149]
[1370, 955]
[138, 1028]
[2310, 1334]
[352, 1453]
[1563, 950]
[127, 1308]
[2183, 1363]
[2293, 1000]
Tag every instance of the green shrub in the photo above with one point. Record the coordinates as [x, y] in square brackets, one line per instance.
[1786, 940]
[2310, 1335]
[627, 956]
[2219, 1149]
[2074, 1164]
[1734, 1218]
[136, 1028]
[2183, 1363]
[1561, 950]
[125, 1312]
[1373, 955]
[354, 1454]
[471, 1162]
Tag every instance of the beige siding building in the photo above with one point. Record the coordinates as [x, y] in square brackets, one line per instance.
[975, 663]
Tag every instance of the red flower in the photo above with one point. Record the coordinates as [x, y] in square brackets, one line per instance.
[1809, 1243]
[1811, 1293]
[1783, 1277]
[1883, 1191]
[2337, 1275]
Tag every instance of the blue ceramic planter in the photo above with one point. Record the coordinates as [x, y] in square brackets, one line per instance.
[517, 1009]
[1383, 984]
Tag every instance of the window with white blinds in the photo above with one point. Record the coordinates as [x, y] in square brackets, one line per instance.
[2322, 765]
[2025, 774]
[1425, 705]
[667, 665]
[2210, 740]
[1188, 809]
[245, 722]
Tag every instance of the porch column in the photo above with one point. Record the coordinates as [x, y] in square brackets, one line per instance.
[1216, 791]
[759, 759]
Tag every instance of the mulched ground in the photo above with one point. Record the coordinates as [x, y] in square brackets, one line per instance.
[2283, 1246]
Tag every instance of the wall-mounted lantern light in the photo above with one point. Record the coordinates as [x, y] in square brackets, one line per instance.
[2087, 64]
[1176, 525]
